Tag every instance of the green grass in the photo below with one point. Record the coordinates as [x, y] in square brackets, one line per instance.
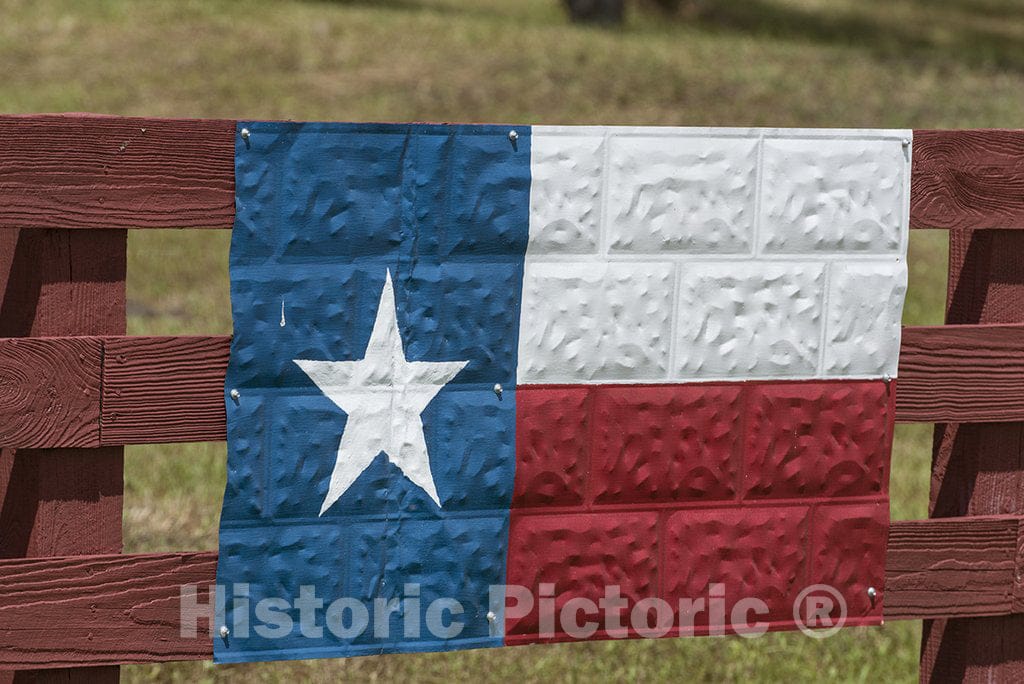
[872, 63]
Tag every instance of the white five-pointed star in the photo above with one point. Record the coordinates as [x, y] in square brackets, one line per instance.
[383, 395]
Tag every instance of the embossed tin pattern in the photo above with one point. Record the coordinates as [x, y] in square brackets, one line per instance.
[761, 488]
[781, 254]
[692, 329]
[707, 324]
[326, 214]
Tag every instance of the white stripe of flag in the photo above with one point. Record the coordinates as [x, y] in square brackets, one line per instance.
[662, 255]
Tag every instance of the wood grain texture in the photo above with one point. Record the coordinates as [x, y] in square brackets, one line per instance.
[60, 502]
[88, 171]
[126, 608]
[952, 566]
[60, 612]
[967, 179]
[53, 282]
[50, 392]
[961, 373]
[978, 468]
[164, 389]
[986, 275]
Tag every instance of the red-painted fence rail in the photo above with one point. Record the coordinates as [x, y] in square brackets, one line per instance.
[74, 389]
[124, 608]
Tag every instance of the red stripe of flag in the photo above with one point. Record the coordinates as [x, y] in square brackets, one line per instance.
[663, 490]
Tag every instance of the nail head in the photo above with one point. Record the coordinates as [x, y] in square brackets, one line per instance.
[235, 394]
[872, 593]
[244, 133]
[491, 617]
[512, 135]
[498, 390]
[224, 631]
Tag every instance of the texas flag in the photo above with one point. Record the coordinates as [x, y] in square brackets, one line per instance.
[498, 385]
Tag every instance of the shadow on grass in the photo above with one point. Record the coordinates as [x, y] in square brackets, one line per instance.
[954, 31]
[411, 6]
[928, 29]
[998, 9]
[415, 5]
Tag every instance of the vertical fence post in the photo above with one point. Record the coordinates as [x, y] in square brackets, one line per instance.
[978, 469]
[61, 502]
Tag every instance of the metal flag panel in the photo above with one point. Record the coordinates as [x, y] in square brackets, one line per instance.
[493, 385]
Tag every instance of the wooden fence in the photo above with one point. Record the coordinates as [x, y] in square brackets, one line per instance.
[74, 390]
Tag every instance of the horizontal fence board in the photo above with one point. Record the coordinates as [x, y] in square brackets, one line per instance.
[87, 171]
[57, 612]
[50, 392]
[93, 610]
[967, 179]
[171, 389]
[91, 171]
[952, 567]
[961, 373]
[164, 389]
